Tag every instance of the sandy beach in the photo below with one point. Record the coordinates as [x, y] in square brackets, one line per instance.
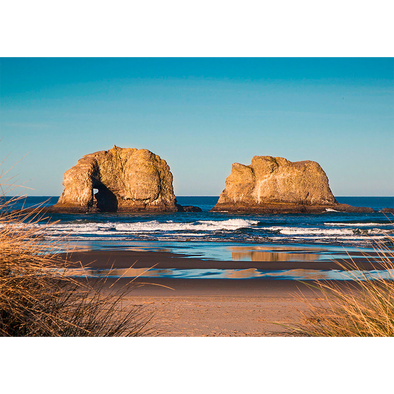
[209, 307]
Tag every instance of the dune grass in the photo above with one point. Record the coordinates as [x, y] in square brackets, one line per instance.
[362, 307]
[37, 298]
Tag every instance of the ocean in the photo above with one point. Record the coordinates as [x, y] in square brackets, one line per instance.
[303, 238]
[207, 234]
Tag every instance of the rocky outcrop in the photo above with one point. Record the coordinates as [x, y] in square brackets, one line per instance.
[276, 185]
[188, 208]
[118, 180]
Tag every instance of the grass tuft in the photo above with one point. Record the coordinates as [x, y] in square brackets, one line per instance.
[37, 298]
[362, 307]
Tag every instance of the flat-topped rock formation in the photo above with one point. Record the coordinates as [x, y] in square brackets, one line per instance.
[118, 180]
[277, 185]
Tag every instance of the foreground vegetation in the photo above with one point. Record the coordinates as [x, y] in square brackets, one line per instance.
[37, 298]
[363, 307]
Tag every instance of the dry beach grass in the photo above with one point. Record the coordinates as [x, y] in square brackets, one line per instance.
[38, 299]
[364, 307]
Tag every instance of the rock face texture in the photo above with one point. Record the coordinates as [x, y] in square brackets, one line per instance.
[119, 179]
[276, 185]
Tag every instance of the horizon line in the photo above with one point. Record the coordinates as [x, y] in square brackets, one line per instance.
[42, 195]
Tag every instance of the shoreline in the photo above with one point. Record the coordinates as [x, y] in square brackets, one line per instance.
[208, 307]
[106, 259]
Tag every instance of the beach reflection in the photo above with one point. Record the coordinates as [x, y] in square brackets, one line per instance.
[250, 273]
[262, 253]
[243, 274]
[117, 272]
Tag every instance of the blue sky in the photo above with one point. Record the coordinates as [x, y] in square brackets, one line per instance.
[201, 115]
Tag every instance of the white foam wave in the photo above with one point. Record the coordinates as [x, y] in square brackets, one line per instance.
[310, 231]
[325, 232]
[151, 226]
[358, 224]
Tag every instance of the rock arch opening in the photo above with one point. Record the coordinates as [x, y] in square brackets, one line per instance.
[104, 199]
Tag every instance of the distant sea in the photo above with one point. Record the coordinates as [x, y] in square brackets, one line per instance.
[225, 236]
[178, 230]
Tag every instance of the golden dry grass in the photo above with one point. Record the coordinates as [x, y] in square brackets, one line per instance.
[37, 298]
[362, 307]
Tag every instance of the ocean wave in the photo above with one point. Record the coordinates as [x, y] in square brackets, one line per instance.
[255, 229]
[153, 226]
[326, 232]
[200, 225]
[309, 231]
[358, 224]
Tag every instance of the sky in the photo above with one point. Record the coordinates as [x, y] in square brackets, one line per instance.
[200, 115]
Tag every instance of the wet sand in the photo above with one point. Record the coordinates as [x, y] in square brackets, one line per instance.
[210, 307]
[148, 259]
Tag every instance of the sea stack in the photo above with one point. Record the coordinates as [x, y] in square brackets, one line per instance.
[118, 180]
[277, 185]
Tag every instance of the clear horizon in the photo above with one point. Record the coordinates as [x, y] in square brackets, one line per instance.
[201, 115]
[194, 196]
